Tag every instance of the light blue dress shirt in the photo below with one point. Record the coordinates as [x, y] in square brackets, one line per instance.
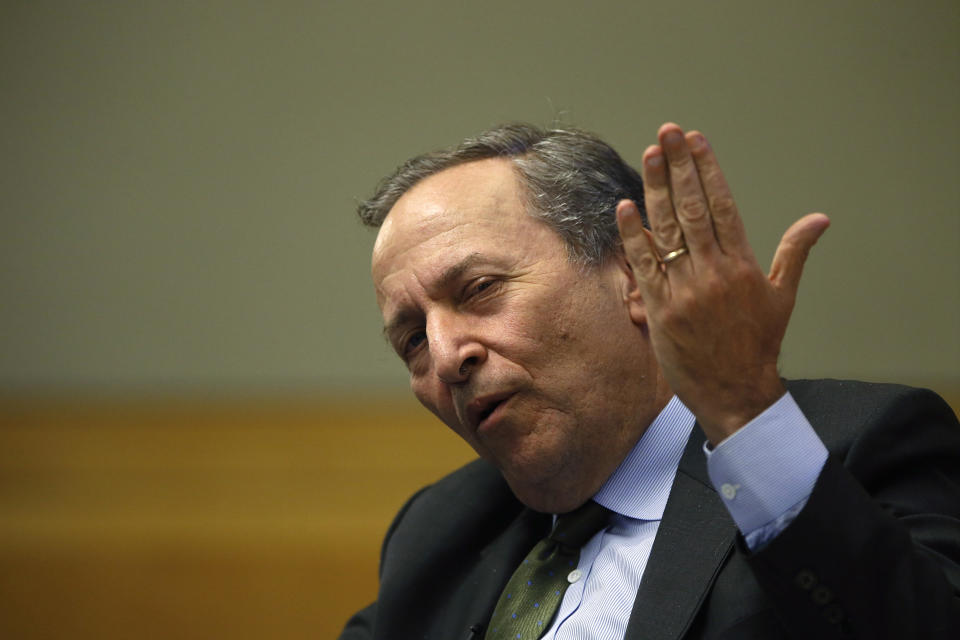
[764, 474]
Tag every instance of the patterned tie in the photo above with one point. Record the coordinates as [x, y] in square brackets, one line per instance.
[532, 597]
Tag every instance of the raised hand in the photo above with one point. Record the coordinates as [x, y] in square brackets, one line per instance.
[716, 321]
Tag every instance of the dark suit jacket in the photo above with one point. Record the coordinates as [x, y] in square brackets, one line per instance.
[875, 553]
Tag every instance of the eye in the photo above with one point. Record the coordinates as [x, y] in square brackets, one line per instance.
[412, 343]
[481, 286]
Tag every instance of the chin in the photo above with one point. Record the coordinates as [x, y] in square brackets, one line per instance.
[544, 469]
[550, 501]
[549, 492]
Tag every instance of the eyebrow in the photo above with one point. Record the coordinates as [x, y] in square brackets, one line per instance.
[454, 272]
[449, 275]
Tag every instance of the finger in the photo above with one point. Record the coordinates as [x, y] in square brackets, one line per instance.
[656, 195]
[727, 224]
[689, 201]
[791, 254]
[641, 252]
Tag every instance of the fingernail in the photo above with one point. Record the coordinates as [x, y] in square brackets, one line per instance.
[699, 142]
[654, 160]
[674, 137]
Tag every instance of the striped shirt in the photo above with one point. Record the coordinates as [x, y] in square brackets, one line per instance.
[761, 502]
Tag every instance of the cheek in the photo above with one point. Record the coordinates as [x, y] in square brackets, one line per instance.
[517, 336]
[426, 393]
[541, 336]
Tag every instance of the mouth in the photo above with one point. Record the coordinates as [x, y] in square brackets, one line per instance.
[482, 409]
[485, 413]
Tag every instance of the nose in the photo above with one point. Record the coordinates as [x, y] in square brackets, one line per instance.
[455, 349]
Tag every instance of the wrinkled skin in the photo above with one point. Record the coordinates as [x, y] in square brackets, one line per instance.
[716, 320]
[481, 301]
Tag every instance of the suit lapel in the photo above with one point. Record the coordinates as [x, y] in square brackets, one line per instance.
[496, 563]
[695, 536]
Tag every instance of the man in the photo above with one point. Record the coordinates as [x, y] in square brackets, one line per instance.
[587, 357]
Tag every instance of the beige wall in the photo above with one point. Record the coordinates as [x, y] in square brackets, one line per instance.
[178, 179]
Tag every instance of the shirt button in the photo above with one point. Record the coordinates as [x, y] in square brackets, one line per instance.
[574, 575]
[728, 490]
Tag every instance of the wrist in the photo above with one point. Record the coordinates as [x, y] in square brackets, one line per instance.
[721, 422]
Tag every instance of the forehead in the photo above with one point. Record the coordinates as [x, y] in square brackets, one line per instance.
[473, 208]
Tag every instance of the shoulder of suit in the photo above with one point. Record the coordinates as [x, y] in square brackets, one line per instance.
[466, 508]
[842, 411]
[476, 487]
[475, 482]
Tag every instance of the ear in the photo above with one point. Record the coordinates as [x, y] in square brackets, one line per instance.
[631, 292]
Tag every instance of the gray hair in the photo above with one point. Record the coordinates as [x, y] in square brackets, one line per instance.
[573, 181]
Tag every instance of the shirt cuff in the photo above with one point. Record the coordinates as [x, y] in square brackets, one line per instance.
[765, 471]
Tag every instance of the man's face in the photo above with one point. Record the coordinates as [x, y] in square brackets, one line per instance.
[533, 361]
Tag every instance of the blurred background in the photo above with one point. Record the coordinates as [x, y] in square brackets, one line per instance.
[202, 433]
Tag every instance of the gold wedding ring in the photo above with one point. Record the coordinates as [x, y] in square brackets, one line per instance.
[673, 255]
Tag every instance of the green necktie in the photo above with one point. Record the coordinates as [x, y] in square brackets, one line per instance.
[531, 598]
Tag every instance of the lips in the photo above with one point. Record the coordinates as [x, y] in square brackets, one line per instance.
[480, 408]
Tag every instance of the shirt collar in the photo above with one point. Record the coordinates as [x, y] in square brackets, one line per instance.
[640, 486]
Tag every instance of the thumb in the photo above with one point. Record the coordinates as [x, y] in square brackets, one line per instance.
[787, 265]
